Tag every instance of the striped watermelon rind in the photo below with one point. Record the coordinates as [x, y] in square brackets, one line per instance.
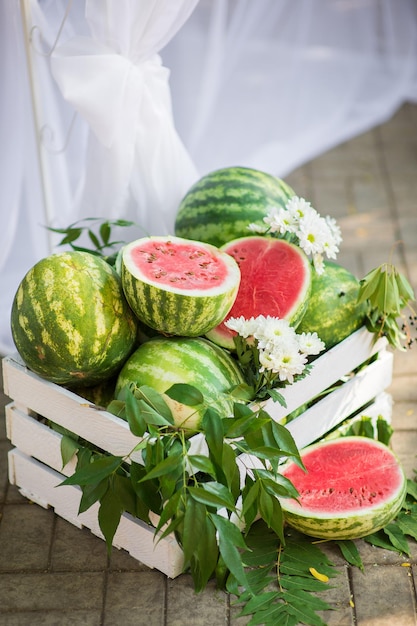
[70, 321]
[176, 308]
[332, 310]
[162, 362]
[378, 492]
[220, 206]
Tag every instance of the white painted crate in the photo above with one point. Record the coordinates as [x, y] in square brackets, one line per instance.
[35, 464]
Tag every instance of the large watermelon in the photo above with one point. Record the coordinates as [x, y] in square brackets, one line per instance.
[352, 487]
[220, 206]
[333, 311]
[70, 320]
[177, 286]
[275, 281]
[163, 361]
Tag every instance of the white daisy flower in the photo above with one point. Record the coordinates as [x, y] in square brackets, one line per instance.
[313, 233]
[310, 343]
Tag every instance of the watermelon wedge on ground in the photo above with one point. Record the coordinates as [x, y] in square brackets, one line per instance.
[352, 487]
[178, 286]
[275, 280]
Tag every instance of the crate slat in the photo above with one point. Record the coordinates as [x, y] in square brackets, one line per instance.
[38, 482]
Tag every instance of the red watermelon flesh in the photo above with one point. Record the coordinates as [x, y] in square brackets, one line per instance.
[275, 280]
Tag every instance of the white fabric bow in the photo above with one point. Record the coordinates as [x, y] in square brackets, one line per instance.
[116, 81]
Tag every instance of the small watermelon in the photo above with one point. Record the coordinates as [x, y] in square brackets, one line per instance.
[220, 206]
[333, 311]
[178, 286]
[161, 362]
[70, 321]
[352, 487]
[275, 280]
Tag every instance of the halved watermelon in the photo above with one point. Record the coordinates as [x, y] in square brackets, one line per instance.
[178, 286]
[352, 487]
[275, 280]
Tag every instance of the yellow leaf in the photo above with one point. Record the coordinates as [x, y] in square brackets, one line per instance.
[351, 602]
[316, 574]
[405, 564]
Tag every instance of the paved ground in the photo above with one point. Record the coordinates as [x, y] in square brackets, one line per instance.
[53, 573]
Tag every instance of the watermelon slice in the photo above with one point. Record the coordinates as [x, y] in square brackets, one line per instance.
[275, 280]
[353, 486]
[177, 286]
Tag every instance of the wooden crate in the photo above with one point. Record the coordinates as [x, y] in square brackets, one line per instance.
[35, 464]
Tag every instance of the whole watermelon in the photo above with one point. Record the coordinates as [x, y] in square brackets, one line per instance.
[70, 321]
[332, 310]
[162, 362]
[220, 206]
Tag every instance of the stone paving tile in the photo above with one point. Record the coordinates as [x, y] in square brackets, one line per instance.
[186, 608]
[383, 596]
[37, 591]
[136, 599]
[338, 597]
[25, 537]
[90, 553]
[72, 617]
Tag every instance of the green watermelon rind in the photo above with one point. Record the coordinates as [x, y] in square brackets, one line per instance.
[70, 321]
[332, 309]
[173, 311]
[346, 524]
[220, 206]
[161, 362]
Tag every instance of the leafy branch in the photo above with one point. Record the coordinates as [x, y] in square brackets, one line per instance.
[103, 243]
[205, 499]
[388, 293]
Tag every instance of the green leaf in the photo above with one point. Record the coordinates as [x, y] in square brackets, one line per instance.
[134, 414]
[397, 538]
[300, 597]
[169, 464]
[213, 428]
[303, 582]
[109, 515]
[350, 552]
[194, 527]
[207, 554]
[150, 416]
[94, 240]
[213, 494]
[407, 523]
[105, 231]
[260, 602]
[384, 430]
[201, 463]
[186, 394]
[286, 442]
[92, 493]
[69, 447]
[305, 614]
[369, 284]
[404, 288]
[155, 400]
[100, 468]
[380, 540]
[412, 488]
[230, 539]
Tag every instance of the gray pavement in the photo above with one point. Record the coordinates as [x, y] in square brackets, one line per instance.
[52, 573]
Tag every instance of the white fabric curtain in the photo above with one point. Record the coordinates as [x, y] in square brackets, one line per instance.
[112, 108]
